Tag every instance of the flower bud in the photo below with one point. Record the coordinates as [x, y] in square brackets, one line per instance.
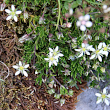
[24, 38]
[70, 11]
[70, 92]
[51, 91]
[2, 6]
[57, 96]
[41, 20]
[59, 35]
[102, 69]
[50, 35]
[62, 101]
[25, 16]
[95, 66]
[68, 25]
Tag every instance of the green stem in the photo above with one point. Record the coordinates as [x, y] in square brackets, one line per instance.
[58, 14]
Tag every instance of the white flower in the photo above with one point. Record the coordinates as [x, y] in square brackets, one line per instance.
[103, 97]
[12, 13]
[97, 53]
[106, 49]
[21, 68]
[85, 49]
[56, 52]
[52, 59]
[106, 9]
[53, 56]
[84, 22]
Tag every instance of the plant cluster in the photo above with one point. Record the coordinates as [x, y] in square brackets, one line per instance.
[63, 40]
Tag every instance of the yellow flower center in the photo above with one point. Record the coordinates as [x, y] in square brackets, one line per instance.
[83, 49]
[12, 13]
[103, 96]
[51, 59]
[21, 68]
[97, 51]
[105, 48]
[55, 53]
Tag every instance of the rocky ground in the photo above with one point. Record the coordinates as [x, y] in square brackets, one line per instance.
[87, 100]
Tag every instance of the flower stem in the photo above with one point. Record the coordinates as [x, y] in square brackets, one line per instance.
[58, 14]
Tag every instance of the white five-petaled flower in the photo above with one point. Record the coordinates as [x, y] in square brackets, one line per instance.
[84, 22]
[85, 49]
[56, 52]
[53, 56]
[12, 13]
[98, 53]
[106, 49]
[52, 59]
[21, 68]
[103, 97]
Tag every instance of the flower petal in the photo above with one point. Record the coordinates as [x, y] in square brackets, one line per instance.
[25, 73]
[93, 56]
[78, 23]
[18, 72]
[55, 63]
[82, 28]
[104, 45]
[100, 45]
[87, 53]
[15, 18]
[26, 66]
[104, 91]
[88, 24]
[98, 94]
[98, 101]
[81, 18]
[7, 10]
[18, 12]
[9, 17]
[46, 59]
[16, 67]
[60, 55]
[105, 53]
[108, 95]
[106, 101]
[51, 50]
[104, 7]
[100, 58]
[81, 55]
[50, 63]
[77, 50]
[12, 7]
[86, 17]
[56, 49]
[20, 63]
[83, 45]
